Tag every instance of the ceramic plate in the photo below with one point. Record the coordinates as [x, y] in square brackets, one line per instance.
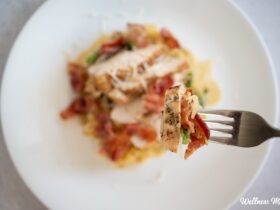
[61, 166]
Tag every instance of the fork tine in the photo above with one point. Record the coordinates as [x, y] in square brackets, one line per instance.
[223, 122]
[226, 113]
[223, 130]
[219, 139]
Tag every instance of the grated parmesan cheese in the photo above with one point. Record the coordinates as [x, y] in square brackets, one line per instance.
[138, 142]
[194, 102]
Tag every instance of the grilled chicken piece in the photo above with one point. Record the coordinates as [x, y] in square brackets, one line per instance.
[122, 70]
[171, 119]
[128, 113]
[103, 83]
[118, 96]
[166, 65]
[90, 87]
[163, 66]
[132, 87]
[122, 74]
[126, 61]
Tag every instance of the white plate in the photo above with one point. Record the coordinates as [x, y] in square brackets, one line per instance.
[61, 166]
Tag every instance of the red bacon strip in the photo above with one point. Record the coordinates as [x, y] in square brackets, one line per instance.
[169, 39]
[154, 98]
[78, 76]
[199, 132]
[112, 46]
[117, 146]
[81, 105]
[145, 132]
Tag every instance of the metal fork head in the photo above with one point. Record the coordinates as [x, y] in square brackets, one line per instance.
[244, 129]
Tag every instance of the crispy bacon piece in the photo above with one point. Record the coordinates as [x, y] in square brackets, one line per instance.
[80, 105]
[105, 126]
[186, 112]
[162, 84]
[154, 99]
[78, 76]
[193, 146]
[199, 137]
[199, 132]
[116, 146]
[145, 132]
[154, 103]
[169, 39]
[112, 46]
[201, 127]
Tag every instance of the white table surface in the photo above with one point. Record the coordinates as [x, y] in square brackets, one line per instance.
[14, 195]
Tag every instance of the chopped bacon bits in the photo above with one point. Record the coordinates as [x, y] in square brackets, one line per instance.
[153, 103]
[202, 127]
[154, 99]
[194, 145]
[105, 126]
[78, 76]
[186, 112]
[112, 46]
[169, 39]
[162, 84]
[115, 143]
[145, 132]
[80, 105]
[199, 137]
[199, 132]
[116, 146]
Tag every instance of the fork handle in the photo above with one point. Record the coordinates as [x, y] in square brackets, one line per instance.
[276, 132]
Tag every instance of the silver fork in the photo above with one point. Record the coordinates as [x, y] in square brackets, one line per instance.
[246, 129]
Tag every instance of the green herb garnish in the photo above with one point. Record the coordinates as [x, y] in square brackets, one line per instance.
[92, 58]
[188, 83]
[201, 97]
[189, 80]
[185, 136]
[201, 100]
[129, 46]
[205, 91]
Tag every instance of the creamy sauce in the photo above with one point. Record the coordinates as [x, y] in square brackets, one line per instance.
[202, 79]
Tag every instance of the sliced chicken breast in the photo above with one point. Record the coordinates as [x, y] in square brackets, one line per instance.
[126, 61]
[128, 113]
[166, 65]
[171, 119]
[122, 70]
[118, 96]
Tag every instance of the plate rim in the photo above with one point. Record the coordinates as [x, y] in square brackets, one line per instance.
[2, 84]
[263, 44]
[246, 19]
